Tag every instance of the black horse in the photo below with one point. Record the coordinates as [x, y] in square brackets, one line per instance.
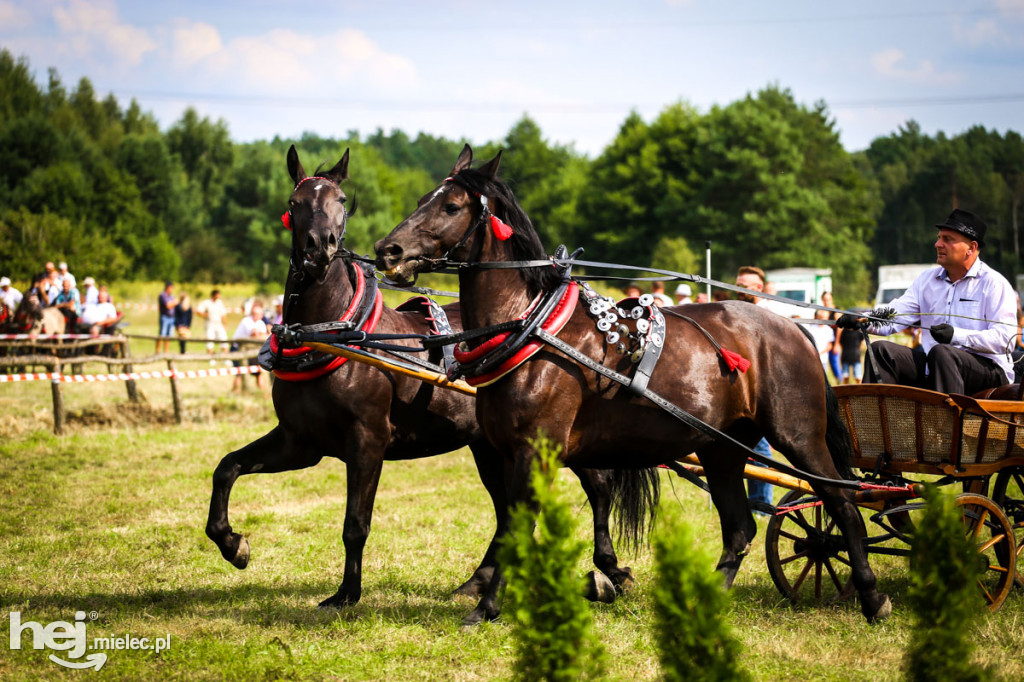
[362, 415]
[473, 217]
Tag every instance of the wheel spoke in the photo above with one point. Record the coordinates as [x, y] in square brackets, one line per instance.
[799, 555]
[988, 595]
[991, 543]
[996, 568]
[835, 578]
[794, 538]
[843, 561]
[817, 580]
[803, 575]
[980, 523]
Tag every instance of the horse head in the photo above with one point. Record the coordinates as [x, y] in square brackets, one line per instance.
[29, 314]
[444, 222]
[316, 215]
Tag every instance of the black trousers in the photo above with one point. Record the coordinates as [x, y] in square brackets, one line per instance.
[949, 369]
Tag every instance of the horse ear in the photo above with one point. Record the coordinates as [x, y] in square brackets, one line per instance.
[464, 160]
[295, 166]
[340, 171]
[490, 169]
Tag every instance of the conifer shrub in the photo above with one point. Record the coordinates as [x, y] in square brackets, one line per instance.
[553, 628]
[943, 595]
[693, 636]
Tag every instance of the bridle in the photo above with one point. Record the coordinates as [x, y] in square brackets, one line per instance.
[502, 231]
[298, 275]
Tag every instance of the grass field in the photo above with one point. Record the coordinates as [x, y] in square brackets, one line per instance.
[109, 519]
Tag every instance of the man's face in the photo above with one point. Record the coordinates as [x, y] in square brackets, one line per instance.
[749, 281]
[67, 285]
[953, 249]
[257, 312]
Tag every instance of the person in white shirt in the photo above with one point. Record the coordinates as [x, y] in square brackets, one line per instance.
[98, 315]
[9, 296]
[823, 336]
[90, 295]
[660, 297]
[967, 309]
[213, 311]
[683, 294]
[252, 326]
[63, 274]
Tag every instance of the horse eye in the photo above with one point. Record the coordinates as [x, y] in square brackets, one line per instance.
[451, 209]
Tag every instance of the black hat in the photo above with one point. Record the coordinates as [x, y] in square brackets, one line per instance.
[967, 224]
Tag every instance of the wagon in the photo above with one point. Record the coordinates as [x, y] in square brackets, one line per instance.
[899, 431]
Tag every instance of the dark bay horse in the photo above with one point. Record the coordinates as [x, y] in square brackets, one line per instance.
[362, 415]
[784, 396]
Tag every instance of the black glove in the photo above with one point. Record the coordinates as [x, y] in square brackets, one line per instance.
[942, 333]
[850, 321]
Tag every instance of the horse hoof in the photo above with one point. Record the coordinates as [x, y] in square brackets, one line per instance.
[626, 580]
[599, 588]
[476, 585]
[338, 601]
[241, 558]
[883, 611]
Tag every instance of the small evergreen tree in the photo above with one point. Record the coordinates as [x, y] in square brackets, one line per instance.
[943, 596]
[554, 637]
[694, 639]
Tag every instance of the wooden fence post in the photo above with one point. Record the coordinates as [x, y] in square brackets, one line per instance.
[58, 399]
[174, 393]
[133, 391]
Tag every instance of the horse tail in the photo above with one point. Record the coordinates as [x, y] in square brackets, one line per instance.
[635, 494]
[837, 436]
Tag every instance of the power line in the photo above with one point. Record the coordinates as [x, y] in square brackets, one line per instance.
[547, 107]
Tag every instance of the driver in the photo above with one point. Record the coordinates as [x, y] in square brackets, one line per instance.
[967, 309]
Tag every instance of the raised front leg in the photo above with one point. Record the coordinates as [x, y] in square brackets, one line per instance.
[363, 476]
[268, 454]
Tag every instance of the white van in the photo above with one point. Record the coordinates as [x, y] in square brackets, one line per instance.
[893, 280]
[801, 284]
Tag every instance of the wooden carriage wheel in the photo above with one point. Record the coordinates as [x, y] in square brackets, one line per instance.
[1008, 493]
[806, 553]
[991, 532]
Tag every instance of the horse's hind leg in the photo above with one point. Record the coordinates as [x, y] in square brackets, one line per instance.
[268, 454]
[724, 469]
[596, 484]
[491, 467]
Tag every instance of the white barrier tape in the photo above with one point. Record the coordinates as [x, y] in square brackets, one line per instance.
[159, 374]
[58, 337]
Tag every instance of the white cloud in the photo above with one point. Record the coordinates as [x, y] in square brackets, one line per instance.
[93, 30]
[893, 63]
[287, 62]
[193, 42]
[14, 17]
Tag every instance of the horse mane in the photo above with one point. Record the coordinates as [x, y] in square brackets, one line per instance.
[525, 243]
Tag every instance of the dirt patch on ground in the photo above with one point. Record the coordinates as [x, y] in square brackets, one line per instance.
[120, 415]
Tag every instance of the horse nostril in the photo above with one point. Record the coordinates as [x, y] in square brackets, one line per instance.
[310, 243]
[332, 241]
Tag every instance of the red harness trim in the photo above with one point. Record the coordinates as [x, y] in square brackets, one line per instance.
[556, 320]
[371, 324]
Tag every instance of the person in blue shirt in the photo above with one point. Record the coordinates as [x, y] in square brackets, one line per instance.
[968, 312]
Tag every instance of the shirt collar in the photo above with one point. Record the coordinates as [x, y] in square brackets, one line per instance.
[973, 271]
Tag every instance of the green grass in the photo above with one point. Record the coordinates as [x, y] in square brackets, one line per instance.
[110, 518]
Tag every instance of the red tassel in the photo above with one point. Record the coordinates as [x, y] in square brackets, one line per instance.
[501, 230]
[286, 220]
[735, 361]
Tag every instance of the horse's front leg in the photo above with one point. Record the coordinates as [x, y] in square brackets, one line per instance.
[596, 484]
[364, 459]
[491, 467]
[269, 454]
[517, 485]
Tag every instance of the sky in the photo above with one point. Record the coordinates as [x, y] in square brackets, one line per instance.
[472, 69]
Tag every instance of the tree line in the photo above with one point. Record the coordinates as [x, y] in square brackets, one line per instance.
[765, 179]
